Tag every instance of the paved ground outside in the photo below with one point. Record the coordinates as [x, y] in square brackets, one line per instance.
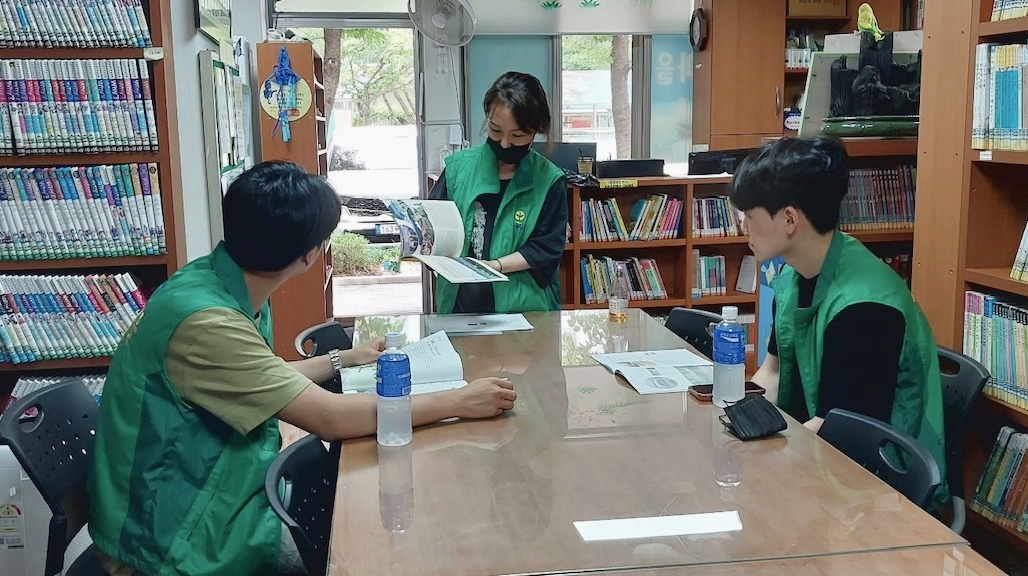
[385, 294]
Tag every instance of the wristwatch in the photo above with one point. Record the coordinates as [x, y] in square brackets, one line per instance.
[333, 356]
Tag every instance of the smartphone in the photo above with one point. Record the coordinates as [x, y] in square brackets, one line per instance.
[705, 392]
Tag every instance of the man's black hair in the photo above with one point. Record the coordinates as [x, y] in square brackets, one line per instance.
[808, 174]
[275, 213]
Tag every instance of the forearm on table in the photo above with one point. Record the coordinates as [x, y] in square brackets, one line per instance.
[316, 369]
[768, 376]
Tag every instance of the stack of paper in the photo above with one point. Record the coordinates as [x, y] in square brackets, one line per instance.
[659, 371]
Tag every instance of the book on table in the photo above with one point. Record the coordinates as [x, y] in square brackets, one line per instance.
[432, 231]
[659, 371]
[434, 367]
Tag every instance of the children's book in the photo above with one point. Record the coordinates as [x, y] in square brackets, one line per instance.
[659, 371]
[432, 231]
[434, 366]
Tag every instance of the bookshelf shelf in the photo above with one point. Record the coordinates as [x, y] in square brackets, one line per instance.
[66, 364]
[34, 160]
[997, 279]
[796, 70]
[1006, 411]
[73, 53]
[720, 240]
[634, 244]
[666, 303]
[999, 157]
[724, 300]
[79, 263]
[871, 147]
[885, 235]
[1011, 536]
[991, 30]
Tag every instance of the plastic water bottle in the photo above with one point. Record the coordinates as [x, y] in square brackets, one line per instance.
[617, 304]
[396, 487]
[729, 358]
[393, 387]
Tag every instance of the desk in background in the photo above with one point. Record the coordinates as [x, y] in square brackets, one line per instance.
[502, 496]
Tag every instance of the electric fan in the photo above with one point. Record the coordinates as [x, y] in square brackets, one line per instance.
[446, 22]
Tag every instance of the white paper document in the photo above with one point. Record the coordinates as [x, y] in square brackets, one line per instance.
[434, 366]
[456, 324]
[659, 371]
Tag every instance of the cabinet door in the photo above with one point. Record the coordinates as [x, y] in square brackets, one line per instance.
[748, 68]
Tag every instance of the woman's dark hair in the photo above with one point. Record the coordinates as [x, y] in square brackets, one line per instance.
[808, 174]
[524, 95]
[275, 213]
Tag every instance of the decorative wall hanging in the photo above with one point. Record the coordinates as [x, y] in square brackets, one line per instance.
[286, 96]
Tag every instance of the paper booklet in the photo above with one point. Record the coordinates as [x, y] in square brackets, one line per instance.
[434, 366]
[432, 231]
[659, 371]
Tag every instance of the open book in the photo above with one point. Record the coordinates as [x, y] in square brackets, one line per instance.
[659, 371]
[432, 231]
[434, 366]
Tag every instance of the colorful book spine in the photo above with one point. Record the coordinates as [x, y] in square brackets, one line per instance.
[73, 24]
[59, 317]
[81, 212]
[27, 385]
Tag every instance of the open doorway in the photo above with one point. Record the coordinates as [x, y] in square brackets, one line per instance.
[373, 158]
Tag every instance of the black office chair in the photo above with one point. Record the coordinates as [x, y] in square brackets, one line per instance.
[301, 486]
[321, 338]
[55, 448]
[865, 440]
[694, 326]
[963, 379]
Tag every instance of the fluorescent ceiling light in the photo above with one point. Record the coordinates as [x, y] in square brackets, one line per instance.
[658, 526]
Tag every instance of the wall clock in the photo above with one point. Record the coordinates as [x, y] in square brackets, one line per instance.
[698, 29]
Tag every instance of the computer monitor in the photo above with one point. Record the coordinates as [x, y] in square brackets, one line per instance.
[565, 154]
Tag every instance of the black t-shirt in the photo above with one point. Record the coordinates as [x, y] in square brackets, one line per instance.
[859, 360]
[542, 251]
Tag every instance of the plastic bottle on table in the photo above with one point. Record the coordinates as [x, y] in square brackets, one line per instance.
[393, 387]
[729, 358]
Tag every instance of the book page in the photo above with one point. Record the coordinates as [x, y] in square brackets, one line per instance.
[650, 358]
[428, 227]
[478, 323]
[461, 270]
[433, 360]
[664, 379]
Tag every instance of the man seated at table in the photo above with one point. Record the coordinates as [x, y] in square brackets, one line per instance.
[188, 423]
[846, 332]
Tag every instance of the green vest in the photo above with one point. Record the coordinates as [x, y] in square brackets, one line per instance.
[851, 274]
[471, 172]
[174, 489]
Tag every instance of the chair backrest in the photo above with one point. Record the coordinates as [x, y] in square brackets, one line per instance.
[321, 338]
[963, 379]
[693, 326]
[301, 486]
[54, 444]
[875, 445]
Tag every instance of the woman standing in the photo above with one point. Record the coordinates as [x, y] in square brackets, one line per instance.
[513, 202]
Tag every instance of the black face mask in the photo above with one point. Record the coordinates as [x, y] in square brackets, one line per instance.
[511, 155]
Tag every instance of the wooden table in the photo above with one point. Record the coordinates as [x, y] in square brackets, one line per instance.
[502, 496]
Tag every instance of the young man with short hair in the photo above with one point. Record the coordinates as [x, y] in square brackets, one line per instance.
[846, 332]
[188, 423]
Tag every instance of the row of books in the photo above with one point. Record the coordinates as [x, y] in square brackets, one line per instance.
[655, 218]
[81, 212]
[879, 198]
[714, 216]
[1002, 491]
[58, 317]
[81, 106]
[996, 334]
[28, 385]
[1008, 9]
[73, 23]
[999, 118]
[599, 272]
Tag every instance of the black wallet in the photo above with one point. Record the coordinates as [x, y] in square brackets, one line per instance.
[753, 417]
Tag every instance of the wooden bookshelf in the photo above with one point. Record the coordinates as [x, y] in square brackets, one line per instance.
[878, 147]
[967, 236]
[149, 271]
[307, 299]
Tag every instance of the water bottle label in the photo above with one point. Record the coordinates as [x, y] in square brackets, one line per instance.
[729, 347]
[393, 377]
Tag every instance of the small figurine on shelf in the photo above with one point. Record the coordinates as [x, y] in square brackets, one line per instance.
[879, 97]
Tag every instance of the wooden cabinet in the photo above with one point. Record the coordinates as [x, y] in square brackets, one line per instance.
[307, 299]
[738, 79]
